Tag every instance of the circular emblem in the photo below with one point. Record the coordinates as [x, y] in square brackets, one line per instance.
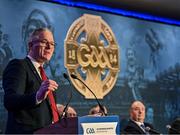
[92, 54]
[90, 131]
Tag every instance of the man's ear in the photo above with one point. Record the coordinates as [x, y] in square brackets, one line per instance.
[29, 46]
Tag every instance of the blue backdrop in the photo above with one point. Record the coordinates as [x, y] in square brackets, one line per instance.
[149, 58]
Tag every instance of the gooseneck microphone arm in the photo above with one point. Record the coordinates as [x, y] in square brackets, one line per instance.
[100, 106]
[67, 104]
[173, 129]
[152, 130]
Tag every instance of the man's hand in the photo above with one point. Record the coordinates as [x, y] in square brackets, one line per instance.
[45, 88]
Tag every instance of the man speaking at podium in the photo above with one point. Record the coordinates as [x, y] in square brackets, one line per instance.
[29, 97]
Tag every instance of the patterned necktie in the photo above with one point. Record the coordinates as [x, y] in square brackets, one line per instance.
[144, 129]
[50, 96]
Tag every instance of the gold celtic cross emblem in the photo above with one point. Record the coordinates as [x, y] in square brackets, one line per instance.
[92, 54]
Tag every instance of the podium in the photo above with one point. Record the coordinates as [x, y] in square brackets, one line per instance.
[84, 125]
[63, 126]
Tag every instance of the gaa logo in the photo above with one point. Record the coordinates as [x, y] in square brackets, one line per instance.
[92, 54]
[90, 131]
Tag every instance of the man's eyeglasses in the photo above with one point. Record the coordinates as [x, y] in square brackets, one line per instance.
[45, 43]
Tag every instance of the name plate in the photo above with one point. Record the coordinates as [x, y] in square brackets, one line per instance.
[99, 125]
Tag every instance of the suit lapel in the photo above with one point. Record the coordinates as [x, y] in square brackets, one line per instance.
[33, 69]
[137, 127]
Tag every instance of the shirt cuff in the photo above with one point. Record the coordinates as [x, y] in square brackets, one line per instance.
[38, 101]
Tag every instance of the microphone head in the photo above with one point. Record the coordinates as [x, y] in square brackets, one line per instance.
[151, 130]
[148, 128]
[168, 126]
[65, 76]
[73, 76]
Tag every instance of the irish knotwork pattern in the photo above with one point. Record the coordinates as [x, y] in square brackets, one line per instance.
[92, 53]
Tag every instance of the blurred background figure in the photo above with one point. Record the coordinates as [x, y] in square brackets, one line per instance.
[150, 114]
[96, 111]
[70, 112]
[60, 108]
[174, 128]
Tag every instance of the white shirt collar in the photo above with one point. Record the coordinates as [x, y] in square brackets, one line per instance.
[138, 123]
[35, 63]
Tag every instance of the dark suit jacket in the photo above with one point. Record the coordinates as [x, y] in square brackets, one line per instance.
[133, 128]
[21, 82]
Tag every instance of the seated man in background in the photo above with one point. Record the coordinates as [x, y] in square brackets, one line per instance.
[60, 108]
[69, 113]
[136, 124]
[96, 111]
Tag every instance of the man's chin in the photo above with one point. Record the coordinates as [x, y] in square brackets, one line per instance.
[46, 59]
[141, 120]
[43, 60]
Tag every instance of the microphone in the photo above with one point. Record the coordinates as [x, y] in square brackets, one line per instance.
[173, 129]
[66, 77]
[152, 130]
[66, 106]
[100, 106]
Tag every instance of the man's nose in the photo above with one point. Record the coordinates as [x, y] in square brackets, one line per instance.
[140, 111]
[48, 46]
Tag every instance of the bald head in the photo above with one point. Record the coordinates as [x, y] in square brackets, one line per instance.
[60, 108]
[137, 111]
[71, 112]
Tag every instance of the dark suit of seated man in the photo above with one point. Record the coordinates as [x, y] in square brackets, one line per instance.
[175, 126]
[136, 124]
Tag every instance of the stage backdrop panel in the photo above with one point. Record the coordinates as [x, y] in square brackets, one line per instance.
[135, 60]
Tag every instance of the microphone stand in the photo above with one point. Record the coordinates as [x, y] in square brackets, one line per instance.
[173, 129]
[152, 130]
[100, 106]
[64, 113]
